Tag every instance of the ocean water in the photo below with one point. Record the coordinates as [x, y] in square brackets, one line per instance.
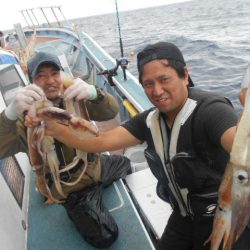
[213, 35]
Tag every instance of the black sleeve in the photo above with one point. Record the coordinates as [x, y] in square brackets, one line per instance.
[218, 117]
[137, 126]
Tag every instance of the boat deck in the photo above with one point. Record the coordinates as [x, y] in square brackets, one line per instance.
[50, 228]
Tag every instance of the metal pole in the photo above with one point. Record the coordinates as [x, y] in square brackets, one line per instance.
[27, 11]
[65, 19]
[34, 16]
[22, 12]
[59, 24]
[45, 17]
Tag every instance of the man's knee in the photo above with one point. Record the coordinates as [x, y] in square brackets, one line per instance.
[122, 161]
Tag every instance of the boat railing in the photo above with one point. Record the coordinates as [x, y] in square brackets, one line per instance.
[45, 16]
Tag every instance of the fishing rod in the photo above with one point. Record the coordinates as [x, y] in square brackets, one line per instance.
[122, 61]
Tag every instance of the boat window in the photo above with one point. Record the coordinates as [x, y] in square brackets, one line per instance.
[10, 81]
[14, 177]
[81, 67]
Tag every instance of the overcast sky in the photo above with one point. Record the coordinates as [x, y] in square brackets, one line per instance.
[10, 10]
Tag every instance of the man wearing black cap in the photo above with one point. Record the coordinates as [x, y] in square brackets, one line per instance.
[189, 133]
[81, 196]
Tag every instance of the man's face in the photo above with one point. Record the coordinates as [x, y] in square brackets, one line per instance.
[164, 88]
[48, 78]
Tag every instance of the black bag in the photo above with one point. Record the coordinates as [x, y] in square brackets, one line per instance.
[92, 219]
[203, 205]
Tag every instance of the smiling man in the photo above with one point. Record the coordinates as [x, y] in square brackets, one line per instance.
[189, 133]
[79, 188]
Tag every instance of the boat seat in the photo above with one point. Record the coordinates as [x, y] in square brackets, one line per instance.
[137, 158]
[154, 211]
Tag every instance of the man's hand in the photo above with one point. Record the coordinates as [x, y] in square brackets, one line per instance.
[242, 96]
[52, 127]
[23, 100]
[80, 90]
[31, 122]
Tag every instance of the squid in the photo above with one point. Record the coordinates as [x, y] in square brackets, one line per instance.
[41, 147]
[38, 157]
[233, 210]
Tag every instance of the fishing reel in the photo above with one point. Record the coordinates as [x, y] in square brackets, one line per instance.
[123, 63]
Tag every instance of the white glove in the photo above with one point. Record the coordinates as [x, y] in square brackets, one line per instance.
[24, 98]
[80, 90]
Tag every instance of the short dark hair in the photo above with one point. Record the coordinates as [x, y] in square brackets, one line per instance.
[163, 50]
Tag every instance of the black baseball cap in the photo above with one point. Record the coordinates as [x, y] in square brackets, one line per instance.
[40, 58]
[160, 50]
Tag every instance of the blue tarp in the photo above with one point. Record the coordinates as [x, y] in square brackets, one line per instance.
[7, 59]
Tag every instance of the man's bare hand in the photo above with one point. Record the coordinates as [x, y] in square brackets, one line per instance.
[32, 121]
